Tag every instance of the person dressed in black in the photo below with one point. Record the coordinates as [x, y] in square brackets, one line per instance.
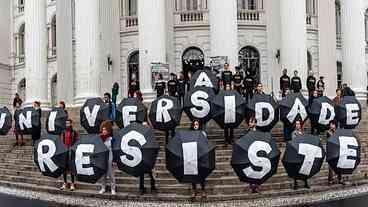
[252, 124]
[228, 132]
[107, 100]
[133, 85]
[17, 101]
[249, 84]
[227, 75]
[160, 85]
[36, 132]
[189, 78]
[238, 80]
[181, 88]
[296, 83]
[172, 85]
[288, 130]
[331, 132]
[347, 91]
[311, 84]
[314, 129]
[284, 82]
[321, 86]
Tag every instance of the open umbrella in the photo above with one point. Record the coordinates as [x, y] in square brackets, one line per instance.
[266, 111]
[130, 110]
[5, 121]
[165, 113]
[343, 151]
[204, 78]
[197, 104]
[135, 149]
[292, 108]
[56, 121]
[92, 114]
[349, 112]
[303, 157]
[322, 112]
[89, 158]
[26, 120]
[50, 156]
[255, 157]
[190, 157]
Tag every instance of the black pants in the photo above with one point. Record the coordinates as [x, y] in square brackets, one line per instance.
[229, 135]
[238, 88]
[248, 95]
[66, 177]
[141, 181]
[169, 134]
[181, 99]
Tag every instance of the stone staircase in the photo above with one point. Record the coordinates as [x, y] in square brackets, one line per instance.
[18, 170]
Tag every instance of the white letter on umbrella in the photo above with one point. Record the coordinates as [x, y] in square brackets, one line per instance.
[190, 158]
[81, 160]
[196, 101]
[323, 119]
[2, 120]
[45, 158]
[230, 109]
[203, 80]
[259, 109]
[352, 117]
[51, 123]
[135, 152]
[128, 114]
[257, 161]
[310, 153]
[346, 152]
[163, 111]
[25, 121]
[91, 117]
[298, 108]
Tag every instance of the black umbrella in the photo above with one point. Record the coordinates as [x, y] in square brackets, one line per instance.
[26, 120]
[197, 104]
[190, 157]
[266, 111]
[204, 78]
[292, 108]
[228, 109]
[343, 151]
[322, 112]
[135, 149]
[130, 110]
[5, 121]
[303, 157]
[349, 112]
[92, 114]
[89, 158]
[255, 157]
[165, 113]
[56, 121]
[50, 156]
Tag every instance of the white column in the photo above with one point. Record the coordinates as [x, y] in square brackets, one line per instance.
[88, 60]
[36, 52]
[327, 45]
[224, 30]
[152, 41]
[294, 37]
[65, 85]
[353, 46]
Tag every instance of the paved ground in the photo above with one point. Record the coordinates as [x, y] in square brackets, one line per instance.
[12, 201]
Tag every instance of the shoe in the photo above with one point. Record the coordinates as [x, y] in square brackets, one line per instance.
[63, 187]
[102, 191]
[72, 187]
[113, 192]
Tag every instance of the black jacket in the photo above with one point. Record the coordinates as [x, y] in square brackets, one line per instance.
[296, 84]
[181, 86]
[284, 82]
[311, 83]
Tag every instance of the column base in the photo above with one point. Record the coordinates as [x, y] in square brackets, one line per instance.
[149, 95]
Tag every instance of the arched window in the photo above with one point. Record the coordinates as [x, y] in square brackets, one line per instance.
[21, 89]
[309, 61]
[53, 36]
[20, 44]
[193, 60]
[366, 25]
[338, 20]
[249, 60]
[133, 67]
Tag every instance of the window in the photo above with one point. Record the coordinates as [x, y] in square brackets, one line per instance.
[338, 20]
[132, 7]
[339, 74]
[190, 5]
[311, 7]
[21, 6]
[21, 89]
[20, 44]
[249, 60]
[53, 36]
[250, 4]
[309, 61]
[366, 25]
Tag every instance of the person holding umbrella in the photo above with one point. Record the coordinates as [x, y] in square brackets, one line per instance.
[17, 132]
[36, 131]
[107, 100]
[331, 132]
[106, 137]
[314, 130]
[288, 130]
[337, 99]
[197, 126]
[17, 100]
[160, 85]
[252, 124]
[228, 132]
[321, 85]
[249, 84]
[69, 138]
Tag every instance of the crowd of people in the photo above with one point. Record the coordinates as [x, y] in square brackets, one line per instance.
[178, 85]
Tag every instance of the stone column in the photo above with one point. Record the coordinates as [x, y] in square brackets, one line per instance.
[88, 59]
[224, 30]
[294, 37]
[65, 85]
[36, 52]
[353, 46]
[152, 42]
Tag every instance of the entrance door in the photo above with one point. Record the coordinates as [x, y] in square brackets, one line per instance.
[193, 60]
[249, 60]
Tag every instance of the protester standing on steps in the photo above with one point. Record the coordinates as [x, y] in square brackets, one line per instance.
[18, 133]
[107, 100]
[287, 130]
[63, 107]
[252, 123]
[284, 82]
[114, 97]
[296, 83]
[160, 85]
[228, 132]
[314, 128]
[197, 126]
[238, 80]
[69, 138]
[181, 88]
[321, 86]
[172, 85]
[36, 131]
[106, 135]
[17, 100]
[311, 84]
[227, 75]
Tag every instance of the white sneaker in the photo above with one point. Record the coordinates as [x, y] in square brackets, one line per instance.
[113, 192]
[102, 191]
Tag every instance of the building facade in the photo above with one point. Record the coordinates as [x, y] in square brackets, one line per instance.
[75, 49]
